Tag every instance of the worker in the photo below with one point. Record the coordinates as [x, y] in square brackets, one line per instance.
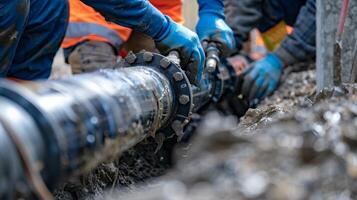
[30, 34]
[92, 43]
[32, 31]
[88, 30]
[271, 18]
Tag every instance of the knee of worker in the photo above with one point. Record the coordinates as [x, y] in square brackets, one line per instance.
[17, 9]
[13, 17]
[43, 34]
[91, 56]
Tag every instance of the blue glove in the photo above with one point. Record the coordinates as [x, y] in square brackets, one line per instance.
[212, 27]
[143, 17]
[186, 42]
[262, 78]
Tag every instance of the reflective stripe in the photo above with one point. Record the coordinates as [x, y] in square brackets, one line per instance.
[83, 29]
[275, 35]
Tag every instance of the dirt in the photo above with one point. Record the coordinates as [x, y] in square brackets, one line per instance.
[295, 145]
[135, 166]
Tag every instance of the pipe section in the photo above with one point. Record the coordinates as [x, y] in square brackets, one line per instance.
[59, 128]
[70, 126]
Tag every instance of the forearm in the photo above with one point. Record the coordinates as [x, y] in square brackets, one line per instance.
[242, 16]
[139, 15]
[301, 44]
[212, 6]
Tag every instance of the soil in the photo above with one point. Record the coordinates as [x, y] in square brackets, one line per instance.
[136, 166]
[294, 145]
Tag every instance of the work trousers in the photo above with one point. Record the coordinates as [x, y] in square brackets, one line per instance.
[31, 32]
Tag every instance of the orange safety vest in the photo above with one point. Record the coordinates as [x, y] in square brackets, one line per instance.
[274, 36]
[87, 24]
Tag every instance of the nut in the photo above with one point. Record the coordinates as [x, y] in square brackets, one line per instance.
[178, 76]
[165, 63]
[130, 58]
[177, 126]
[148, 56]
[184, 99]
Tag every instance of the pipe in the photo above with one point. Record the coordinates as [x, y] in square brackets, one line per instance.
[91, 118]
[67, 127]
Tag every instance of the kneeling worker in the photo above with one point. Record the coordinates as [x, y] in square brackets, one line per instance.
[31, 33]
[93, 43]
[271, 17]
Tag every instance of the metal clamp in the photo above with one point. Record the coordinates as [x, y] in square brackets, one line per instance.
[183, 97]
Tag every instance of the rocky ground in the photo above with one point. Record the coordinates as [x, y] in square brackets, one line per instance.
[136, 167]
[295, 145]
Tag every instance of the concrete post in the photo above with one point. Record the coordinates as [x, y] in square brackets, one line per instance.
[327, 21]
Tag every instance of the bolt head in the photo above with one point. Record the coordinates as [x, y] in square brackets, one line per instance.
[130, 58]
[178, 76]
[184, 99]
[148, 56]
[165, 63]
[176, 126]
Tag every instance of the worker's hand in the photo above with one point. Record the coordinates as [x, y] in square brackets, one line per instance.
[92, 56]
[211, 27]
[186, 42]
[262, 78]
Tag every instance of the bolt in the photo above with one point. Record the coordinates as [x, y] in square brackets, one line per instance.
[176, 126]
[184, 99]
[178, 76]
[211, 65]
[165, 63]
[148, 56]
[130, 58]
[178, 129]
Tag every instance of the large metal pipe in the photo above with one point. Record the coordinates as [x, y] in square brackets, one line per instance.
[89, 117]
[67, 127]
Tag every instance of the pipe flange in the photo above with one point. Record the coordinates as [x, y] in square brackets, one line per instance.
[182, 90]
[221, 82]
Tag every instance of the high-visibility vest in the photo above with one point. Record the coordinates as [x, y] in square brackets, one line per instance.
[87, 24]
[274, 36]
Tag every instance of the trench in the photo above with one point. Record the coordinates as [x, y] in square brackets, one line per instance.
[262, 157]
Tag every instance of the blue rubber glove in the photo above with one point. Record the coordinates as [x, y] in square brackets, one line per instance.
[186, 42]
[212, 27]
[141, 16]
[262, 78]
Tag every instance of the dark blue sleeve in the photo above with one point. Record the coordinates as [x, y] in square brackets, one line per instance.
[301, 44]
[212, 6]
[139, 15]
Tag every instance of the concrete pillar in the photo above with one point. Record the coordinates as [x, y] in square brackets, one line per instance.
[327, 21]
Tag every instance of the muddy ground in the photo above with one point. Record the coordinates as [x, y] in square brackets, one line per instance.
[293, 146]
